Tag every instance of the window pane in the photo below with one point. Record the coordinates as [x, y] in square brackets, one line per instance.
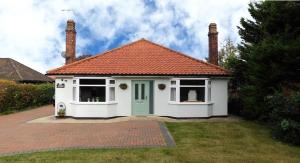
[192, 82]
[92, 94]
[111, 93]
[111, 81]
[136, 91]
[74, 81]
[173, 94]
[192, 94]
[74, 93]
[92, 81]
[143, 92]
[173, 82]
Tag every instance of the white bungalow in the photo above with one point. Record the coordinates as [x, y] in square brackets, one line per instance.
[140, 78]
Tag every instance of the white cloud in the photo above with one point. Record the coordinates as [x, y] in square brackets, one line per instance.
[32, 32]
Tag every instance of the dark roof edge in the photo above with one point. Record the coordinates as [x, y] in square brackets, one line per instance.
[71, 74]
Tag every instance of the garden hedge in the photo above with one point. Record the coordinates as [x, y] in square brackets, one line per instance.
[285, 117]
[16, 97]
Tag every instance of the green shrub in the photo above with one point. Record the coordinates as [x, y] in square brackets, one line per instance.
[234, 105]
[285, 117]
[45, 93]
[250, 100]
[14, 97]
[251, 104]
[61, 113]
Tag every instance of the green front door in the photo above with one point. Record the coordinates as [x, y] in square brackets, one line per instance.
[140, 97]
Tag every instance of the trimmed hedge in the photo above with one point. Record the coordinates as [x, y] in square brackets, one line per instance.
[15, 97]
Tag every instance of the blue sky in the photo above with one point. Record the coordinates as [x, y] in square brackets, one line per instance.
[32, 31]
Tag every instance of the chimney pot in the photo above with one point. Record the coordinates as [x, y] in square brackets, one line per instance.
[70, 42]
[213, 43]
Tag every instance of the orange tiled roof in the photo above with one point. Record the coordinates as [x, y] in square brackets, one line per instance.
[140, 58]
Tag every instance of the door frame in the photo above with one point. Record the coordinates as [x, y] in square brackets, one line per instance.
[151, 96]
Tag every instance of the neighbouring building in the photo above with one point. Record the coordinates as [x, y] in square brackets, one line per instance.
[15, 71]
[141, 78]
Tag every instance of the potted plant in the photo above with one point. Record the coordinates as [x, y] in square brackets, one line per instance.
[123, 86]
[161, 86]
[61, 113]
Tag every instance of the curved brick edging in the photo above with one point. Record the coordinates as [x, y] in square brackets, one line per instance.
[167, 135]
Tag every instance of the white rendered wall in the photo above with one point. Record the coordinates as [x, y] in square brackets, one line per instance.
[161, 106]
[123, 97]
[64, 94]
[94, 110]
[219, 96]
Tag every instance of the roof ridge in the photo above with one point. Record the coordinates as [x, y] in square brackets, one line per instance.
[187, 56]
[97, 55]
[11, 61]
[17, 63]
[145, 41]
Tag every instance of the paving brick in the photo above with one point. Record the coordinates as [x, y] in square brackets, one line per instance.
[18, 136]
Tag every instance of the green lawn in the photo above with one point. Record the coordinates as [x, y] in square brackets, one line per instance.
[196, 141]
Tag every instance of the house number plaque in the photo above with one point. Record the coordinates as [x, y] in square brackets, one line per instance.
[62, 85]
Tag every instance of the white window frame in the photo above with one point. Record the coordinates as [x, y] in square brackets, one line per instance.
[177, 87]
[176, 90]
[75, 85]
[107, 85]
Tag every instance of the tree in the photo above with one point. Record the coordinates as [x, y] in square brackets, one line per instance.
[269, 53]
[83, 56]
[228, 54]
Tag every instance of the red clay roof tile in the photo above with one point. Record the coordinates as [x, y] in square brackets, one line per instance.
[140, 58]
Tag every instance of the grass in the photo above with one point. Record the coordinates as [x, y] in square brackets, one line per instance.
[195, 142]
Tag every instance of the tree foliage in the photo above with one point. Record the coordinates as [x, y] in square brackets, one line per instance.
[228, 59]
[83, 56]
[228, 54]
[269, 53]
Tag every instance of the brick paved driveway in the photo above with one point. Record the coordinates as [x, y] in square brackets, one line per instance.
[18, 136]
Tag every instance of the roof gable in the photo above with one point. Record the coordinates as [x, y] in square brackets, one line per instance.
[140, 58]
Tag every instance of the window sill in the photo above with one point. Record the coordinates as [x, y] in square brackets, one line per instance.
[94, 103]
[190, 103]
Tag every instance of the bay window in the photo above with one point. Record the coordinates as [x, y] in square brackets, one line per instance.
[93, 90]
[190, 90]
[91, 93]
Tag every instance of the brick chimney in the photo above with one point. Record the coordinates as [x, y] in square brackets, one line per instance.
[70, 42]
[213, 44]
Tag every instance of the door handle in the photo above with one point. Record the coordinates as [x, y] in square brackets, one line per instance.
[146, 97]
